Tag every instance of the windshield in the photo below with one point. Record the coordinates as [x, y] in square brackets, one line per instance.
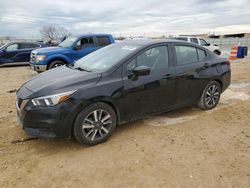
[68, 42]
[105, 58]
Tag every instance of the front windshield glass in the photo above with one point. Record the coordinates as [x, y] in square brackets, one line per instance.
[105, 58]
[68, 42]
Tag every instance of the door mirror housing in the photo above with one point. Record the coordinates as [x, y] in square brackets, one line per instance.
[77, 47]
[141, 71]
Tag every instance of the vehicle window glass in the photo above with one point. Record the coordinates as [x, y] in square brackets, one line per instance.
[131, 65]
[103, 41]
[34, 45]
[68, 42]
[12, 47]
[24, 46]
[203, 42]
[185, 55]
[194, 40]
[154, 58]
[101, 60]
[86, 42]
[182, 38]
[201, 54]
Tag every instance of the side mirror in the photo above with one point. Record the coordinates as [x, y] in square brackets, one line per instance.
[208, 44]
[141, 71]
[77, 47]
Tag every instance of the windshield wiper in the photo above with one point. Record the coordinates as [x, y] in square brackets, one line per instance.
[82, 69]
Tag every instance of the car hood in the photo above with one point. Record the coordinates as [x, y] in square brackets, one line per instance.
[57, 80]
[50, 50]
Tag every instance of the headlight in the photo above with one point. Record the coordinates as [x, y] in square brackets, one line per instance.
[40, 58]
[52, 100]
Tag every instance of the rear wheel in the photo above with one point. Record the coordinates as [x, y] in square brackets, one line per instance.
[95, 124]
[55, 64]
[210, 96]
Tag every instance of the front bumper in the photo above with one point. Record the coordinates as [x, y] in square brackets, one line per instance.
[38, 68]
[46, 122]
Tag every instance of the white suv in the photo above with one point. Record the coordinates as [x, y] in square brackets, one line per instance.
[202, 42]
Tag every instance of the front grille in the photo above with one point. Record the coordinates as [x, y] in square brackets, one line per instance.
[33, 57]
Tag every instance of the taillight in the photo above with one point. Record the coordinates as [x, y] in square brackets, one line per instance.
[228, 62]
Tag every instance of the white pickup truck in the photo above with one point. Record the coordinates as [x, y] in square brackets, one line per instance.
[200, 41]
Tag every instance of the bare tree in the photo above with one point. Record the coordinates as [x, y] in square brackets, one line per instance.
[54, 33]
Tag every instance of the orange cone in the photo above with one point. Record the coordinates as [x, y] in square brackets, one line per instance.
[233, 53]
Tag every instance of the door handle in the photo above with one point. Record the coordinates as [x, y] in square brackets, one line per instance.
[168, 76]
[206, 65]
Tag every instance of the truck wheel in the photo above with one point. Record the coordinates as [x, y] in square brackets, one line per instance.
[55, 64]
[217, 52]
[210, 96]
[95, 124]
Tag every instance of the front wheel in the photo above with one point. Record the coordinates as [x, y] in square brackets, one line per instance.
[210, 96]
[55, 64]
[95, 124]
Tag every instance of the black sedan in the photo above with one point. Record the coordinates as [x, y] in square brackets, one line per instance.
[120, 83]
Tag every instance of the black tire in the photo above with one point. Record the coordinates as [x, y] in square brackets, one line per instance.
[55, 64]
[99, 131]
[210, 96]
[217, 52]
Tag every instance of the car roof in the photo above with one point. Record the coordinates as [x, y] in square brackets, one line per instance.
[146, 42]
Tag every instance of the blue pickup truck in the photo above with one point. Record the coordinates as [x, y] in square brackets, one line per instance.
[67, 52]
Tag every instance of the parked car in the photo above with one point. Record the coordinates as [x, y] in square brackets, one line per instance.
[17, 53]
[120, 83]
[67, 52]
[200, 41]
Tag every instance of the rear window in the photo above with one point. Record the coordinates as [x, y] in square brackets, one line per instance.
[103, 41]
[182, 38]
[186, 55]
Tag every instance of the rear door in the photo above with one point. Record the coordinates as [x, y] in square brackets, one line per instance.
[189, 62]
[151, 93]
[24, 50]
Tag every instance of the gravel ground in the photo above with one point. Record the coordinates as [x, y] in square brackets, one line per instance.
[184, 148]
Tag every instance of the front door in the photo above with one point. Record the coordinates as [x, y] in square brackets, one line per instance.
[87, 46]
[154, 92]
[9, 53]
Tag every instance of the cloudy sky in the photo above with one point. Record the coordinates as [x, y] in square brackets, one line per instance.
[24, 18]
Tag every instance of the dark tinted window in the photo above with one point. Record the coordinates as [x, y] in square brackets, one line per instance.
[194, 40]
[103, 41]
[86, 42]
[182, 38]
[186, 55]
[34, 45]
[24, 46]
[154, 58]
[201, 54]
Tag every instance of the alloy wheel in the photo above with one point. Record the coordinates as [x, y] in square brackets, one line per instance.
[212, 95]
[97, 124]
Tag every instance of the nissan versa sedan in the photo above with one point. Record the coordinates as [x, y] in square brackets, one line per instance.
[120, 83]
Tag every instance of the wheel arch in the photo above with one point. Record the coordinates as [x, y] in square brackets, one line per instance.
[105, 100]
[57, 58]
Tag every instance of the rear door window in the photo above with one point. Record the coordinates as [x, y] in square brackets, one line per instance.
[24, 46]
[186, 55]
[201, 54]
[103, 41]
[194, 40]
